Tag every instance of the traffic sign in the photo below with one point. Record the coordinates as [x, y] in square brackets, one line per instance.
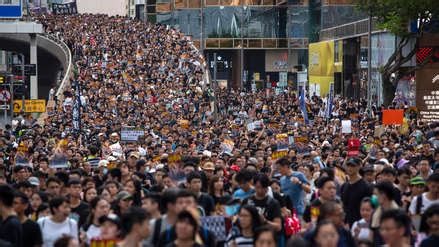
[33, 105]
[10, 9]
[5, 96]
[4, 107]
[29, 69]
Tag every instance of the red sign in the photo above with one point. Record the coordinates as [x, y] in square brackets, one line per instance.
[353, 147]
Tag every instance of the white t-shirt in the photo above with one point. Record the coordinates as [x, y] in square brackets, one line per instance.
[426, 203]
[364, 229]
[93, 232]
[52, 231]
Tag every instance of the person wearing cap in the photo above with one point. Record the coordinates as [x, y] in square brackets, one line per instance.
[421, 202]
[122, 202]
[417, 186]
[354, 190]
[110, 227]
[388, 174]
[208, 170]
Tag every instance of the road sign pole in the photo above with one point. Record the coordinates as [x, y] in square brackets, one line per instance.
[11, 89]
[23, 82]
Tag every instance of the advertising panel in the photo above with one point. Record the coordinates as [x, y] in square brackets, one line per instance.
[427, 92]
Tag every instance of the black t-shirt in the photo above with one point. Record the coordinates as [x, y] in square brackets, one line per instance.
[430, 241]
[80, 213]
[11, 231]
[268, 207]
[168, 236]
[351, 196]
[314, 204]
[31, 233]
[206, 201]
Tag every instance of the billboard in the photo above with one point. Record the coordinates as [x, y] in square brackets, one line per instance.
[10, 9]
[427, 92]
[321, 66]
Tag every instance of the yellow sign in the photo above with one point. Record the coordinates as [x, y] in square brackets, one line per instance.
[2, 79]
[33, 105]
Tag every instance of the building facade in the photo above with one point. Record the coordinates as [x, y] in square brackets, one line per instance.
[256, 42]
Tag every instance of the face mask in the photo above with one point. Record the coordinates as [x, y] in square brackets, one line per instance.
[232, 210]
[374, 201]
[105, 171]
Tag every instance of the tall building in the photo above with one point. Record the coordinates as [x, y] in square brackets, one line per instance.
[256, 42]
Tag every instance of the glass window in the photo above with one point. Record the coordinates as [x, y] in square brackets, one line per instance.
[298, 22]
[230, 2]
[222, 22]
[261, 22]
[179, 4]
[188, 21]
[194, 4]
[336, 15]
[212, 43]
[269, 43]
[226, 43]
[163, 7]
[212, 2]
[255, 43]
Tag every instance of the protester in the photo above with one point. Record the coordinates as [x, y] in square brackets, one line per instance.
[58, 224]
[395, 228]
[10, 227]
[135, 227]
[30, 229]
[139, 123]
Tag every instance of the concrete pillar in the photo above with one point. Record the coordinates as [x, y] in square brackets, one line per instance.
[33, 60]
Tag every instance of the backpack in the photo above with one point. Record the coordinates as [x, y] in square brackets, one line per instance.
[157, 231]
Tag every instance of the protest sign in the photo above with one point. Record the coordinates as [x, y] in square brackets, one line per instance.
[300, 139]
[393, 117]
[279, 154]
[131, 134]
[59, 161]
[353, 147]
[346, 126]
[227, 146]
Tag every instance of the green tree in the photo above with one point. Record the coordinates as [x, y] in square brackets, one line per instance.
[396, 16]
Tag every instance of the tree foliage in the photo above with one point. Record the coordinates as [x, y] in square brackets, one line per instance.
[396, 17]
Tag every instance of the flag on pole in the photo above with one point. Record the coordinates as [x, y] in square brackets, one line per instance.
[303, 105]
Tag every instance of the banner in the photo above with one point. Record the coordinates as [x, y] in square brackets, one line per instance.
[329, 100]
[393, 117]
[76, 114]
[64, 8]
[303, 105]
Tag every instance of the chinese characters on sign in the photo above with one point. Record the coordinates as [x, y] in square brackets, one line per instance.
[430, 112]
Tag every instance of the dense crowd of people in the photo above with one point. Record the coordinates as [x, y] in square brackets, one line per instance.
[206, 168]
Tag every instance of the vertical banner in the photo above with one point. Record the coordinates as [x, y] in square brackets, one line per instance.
[76, 115]
[329, 100]
[303, 104]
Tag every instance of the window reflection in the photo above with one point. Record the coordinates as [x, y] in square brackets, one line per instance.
[194, 4]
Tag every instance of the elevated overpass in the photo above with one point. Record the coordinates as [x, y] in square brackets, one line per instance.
[52, 56]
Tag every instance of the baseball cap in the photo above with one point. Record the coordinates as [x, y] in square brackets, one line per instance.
[123, 195]
[209, 166]
[34, 181]
[417, 181]
[112, 218]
